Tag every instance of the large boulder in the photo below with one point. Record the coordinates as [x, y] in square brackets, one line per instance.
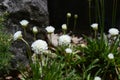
[35, 11]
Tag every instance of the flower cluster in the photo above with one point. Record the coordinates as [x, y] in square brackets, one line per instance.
[68, 50]
[39, 46]
[110, 56]
[97, 78]
[113, 31]
[64, 40]
[24, 23]
[50, 29]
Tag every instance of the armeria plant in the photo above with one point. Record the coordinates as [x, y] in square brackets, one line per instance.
[95, 59]
[102, 56]
[45, 59]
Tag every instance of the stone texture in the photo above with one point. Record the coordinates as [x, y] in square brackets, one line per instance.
[35, 11]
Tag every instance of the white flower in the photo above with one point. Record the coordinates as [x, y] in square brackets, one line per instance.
[35, 30]
[94, 26]
[39, 46]
[24, 23]
[50, 29]
[113, 31]
[64, 39]
[97, 78]
[17, 35]
[68, 14]
[68, 50]
[110, 56]
[64, 27]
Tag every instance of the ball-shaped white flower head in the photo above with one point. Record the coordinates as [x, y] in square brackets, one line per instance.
[35, 30]
[24, 23]
[50, 29]
[39, 46]
[68, 15]
[64, 40]
[97, 78]
[113, 31]
[94, 26]
[17, 35]
[68, 50]
[64, 27]
[110, 56]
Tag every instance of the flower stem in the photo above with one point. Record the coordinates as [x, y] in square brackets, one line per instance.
[67, 21]
[75, 22]
[34, 36]
[24, 31]
[28, 48]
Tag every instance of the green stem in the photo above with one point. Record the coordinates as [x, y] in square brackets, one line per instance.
[34, 36]
[41, 66]
[24, 31]
[116, 69]
[64, 31]
[75, 22]
[114, 12]
[95, 34]
[106, 69]
[89, 11]
[67, 21]
[28, 48]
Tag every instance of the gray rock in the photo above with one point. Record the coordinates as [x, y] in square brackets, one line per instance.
[35, 11]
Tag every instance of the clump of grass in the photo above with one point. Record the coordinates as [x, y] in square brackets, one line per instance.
[5, 54]
[5, 43]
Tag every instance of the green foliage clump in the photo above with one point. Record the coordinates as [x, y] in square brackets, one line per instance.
[5, 43]
[5, 55]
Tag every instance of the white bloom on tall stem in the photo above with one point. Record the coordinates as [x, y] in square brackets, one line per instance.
[64, 40]
[94, 26]
[113, 31]
[17, 35]
[97, 78]
[68, 50]
[64, 27]
[110, 56]
[39, 46]
[50, 29]
[35, 30]
[24, 23]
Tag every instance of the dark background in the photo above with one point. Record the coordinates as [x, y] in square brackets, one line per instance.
[59, 8]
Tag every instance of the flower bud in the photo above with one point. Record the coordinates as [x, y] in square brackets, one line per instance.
[94, 26]
[64, 27]
[35, 30]
[68, 15]
[17, 35]
[75, 16]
